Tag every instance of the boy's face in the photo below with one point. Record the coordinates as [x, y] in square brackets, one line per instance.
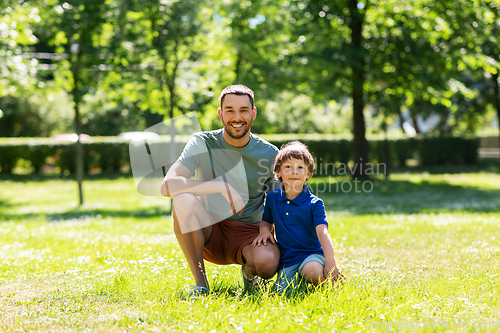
[293, 172]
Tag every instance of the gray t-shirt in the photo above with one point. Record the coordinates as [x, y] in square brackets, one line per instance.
[248, 169]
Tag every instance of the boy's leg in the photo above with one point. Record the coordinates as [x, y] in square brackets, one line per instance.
[288, 278]
[312, 269]
[313, 272]
[189, 214]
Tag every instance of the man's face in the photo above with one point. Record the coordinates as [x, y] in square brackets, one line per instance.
[237, 115]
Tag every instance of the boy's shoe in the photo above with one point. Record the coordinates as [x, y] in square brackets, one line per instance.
[197, 291]
[251, 284]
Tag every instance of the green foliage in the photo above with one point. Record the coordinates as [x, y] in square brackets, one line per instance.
[156, 46]
[10, 155]
[102, 117]
[76, 29]
[292, 113]
[133, 58]
[40, 114]
[21, 118]
[447, 150]
[16, 73]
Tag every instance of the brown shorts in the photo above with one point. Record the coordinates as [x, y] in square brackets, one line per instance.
[228, 240]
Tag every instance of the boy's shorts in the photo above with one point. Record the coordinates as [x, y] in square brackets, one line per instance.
[290, 277]
[228, 240]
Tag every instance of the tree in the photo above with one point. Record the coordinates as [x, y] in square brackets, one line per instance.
[395, 54]
[155, 46]
[407, 60]
[16, 73]
[483, 46]
[258, 42]
[332, 36]
[469, 33]
[77, 30]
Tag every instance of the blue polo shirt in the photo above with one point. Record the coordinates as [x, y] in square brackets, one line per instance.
[295, 223]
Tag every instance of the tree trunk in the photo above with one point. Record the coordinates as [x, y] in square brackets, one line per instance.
[401, 120]
[387, 152]
[496, 99]
[360, 144]
[77, 129]
[173, 101]
[171, 81]
[237, 67]
[415, 124]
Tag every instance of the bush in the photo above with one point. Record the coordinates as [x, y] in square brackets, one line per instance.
[112, 153]
[448, 150]
[9, 156]
[430, 151]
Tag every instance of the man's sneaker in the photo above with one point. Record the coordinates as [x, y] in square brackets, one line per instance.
[197, 291]
[251, 284]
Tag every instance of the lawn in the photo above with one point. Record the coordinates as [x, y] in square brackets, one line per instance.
[420, 250]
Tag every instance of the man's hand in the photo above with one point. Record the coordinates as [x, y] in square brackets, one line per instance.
[262, 238]
[234, 199]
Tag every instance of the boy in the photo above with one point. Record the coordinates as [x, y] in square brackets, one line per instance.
[300, 221]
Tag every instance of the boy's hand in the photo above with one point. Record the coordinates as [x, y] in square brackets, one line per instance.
[334, 274]
[263, 237]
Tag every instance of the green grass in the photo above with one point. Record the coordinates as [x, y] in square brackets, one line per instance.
[419, 247]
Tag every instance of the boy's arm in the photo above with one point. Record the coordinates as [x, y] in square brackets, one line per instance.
[327, 246]
[265, 233]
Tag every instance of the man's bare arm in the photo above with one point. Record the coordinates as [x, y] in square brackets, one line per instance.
[178, 181]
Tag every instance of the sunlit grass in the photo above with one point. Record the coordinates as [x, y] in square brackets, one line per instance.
[418, 247]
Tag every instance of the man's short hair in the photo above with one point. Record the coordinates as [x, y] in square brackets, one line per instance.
[236, 89]
[294, 149]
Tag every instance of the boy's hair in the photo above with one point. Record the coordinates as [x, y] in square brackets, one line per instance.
[237, 89]
[294, 149]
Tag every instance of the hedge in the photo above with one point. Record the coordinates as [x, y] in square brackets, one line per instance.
[111, 153]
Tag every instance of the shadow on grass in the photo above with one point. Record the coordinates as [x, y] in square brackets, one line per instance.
[405, 197]
[79, 214]
[6, 204]
[146, 213]
[38, 177]
[343, 196]
[483, 165]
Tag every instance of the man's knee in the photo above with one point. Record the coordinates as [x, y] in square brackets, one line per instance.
[266, 262]
[184, 201]
[183, 205]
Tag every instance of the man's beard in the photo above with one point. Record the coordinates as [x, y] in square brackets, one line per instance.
[237, 134]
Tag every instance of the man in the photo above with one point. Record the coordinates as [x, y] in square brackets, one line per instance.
[212, 157]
